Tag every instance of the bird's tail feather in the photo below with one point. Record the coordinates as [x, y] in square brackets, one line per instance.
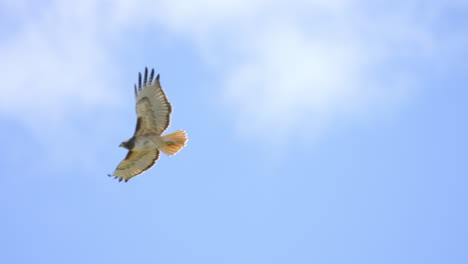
[175, 141]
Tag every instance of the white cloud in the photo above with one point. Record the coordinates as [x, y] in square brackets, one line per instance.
[296, 64]
[299, 75]
[54, 63]
[291, 79]
[55, 70]
[304, 64]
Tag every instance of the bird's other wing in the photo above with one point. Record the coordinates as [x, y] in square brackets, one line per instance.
[152, 107]
[135, 163]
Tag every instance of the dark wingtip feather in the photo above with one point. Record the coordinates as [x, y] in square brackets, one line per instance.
[109, 175]
[120, 179]
[126, 180]
[139, 80]
[146, 76]
[157, 78]
[151, 77]
[136, 93]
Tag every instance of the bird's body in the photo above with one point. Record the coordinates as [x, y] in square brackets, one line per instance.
[153, 112]
[147, 142]
[144, 143]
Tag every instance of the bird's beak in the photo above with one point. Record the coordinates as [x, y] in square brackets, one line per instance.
[121, 145]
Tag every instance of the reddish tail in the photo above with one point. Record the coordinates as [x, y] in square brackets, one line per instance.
[175, 142]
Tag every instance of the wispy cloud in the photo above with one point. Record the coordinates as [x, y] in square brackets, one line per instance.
[300, 64]
[55, 70]
[53, 63]
[303, 64]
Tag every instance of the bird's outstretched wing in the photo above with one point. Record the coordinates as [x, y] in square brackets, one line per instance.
[152, 107]
[135, 163]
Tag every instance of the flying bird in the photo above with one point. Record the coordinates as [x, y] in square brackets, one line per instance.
[153, 116]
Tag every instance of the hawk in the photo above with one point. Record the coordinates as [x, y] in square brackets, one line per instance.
[153, 115]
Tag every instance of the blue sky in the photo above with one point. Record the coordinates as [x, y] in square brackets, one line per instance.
[319, 132]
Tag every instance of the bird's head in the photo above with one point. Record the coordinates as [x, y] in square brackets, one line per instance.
[125, 144]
